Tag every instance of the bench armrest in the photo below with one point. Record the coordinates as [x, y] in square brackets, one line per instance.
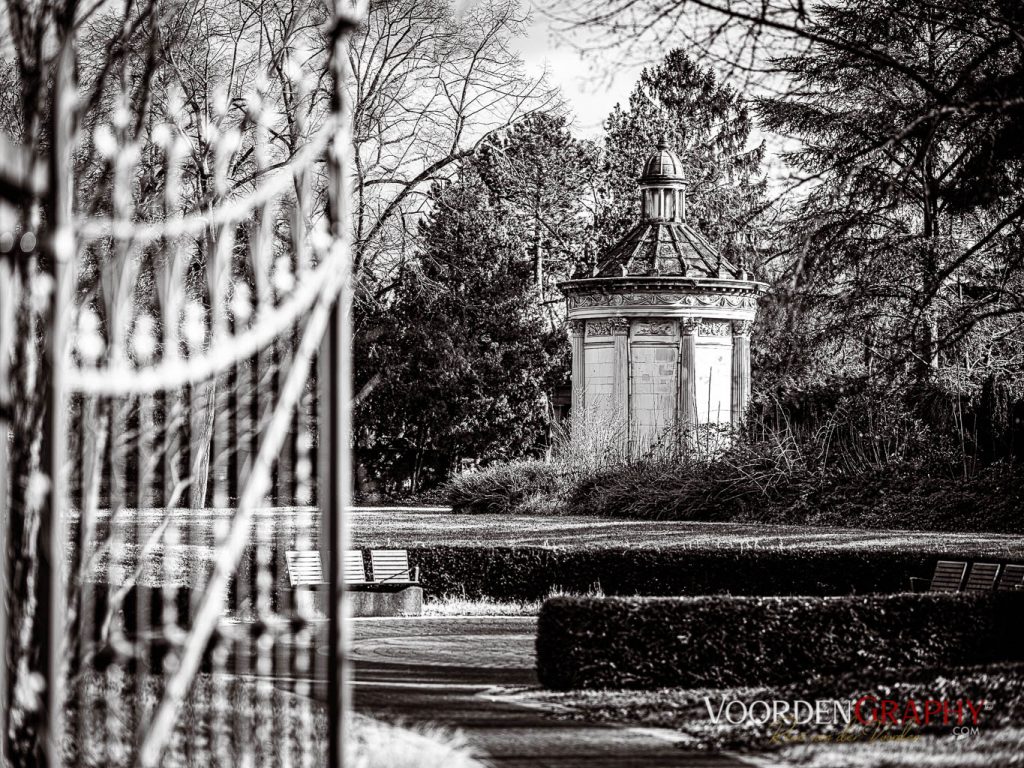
[917, 584]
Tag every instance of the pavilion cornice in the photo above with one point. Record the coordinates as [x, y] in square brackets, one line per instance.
[666, 283]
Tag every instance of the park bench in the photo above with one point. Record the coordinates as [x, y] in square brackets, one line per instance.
[948, 577]
[306, 570]
[389, 566]
[393, 589]
[392, 566]
[953, 576]
[982, 577]
[1011, 578]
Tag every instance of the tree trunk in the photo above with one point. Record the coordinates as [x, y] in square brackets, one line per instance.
[538, 254]
[929, 351]
[25, 633]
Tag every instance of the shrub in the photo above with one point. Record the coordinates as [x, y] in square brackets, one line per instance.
[743, 641]
[502, 488]
[739, 482]
[777, 481]
[532, 573]
[860, 457]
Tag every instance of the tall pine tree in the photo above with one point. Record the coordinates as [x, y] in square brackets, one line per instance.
[458, 366]
[709, 126]
[548, 178]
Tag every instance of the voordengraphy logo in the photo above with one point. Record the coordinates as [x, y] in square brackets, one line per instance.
[870, 710]
[764, 711]
[867, 710]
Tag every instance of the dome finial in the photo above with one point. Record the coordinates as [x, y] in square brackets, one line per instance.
[663, 141]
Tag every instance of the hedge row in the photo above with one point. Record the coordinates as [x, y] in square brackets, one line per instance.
[742, 641]
[533, 573]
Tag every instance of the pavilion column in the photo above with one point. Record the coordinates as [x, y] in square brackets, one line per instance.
[620, 384]
[740, 369]
[577, 339]
[687, 375]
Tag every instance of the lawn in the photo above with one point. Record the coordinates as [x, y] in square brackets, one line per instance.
[405, 527]
[426, 531]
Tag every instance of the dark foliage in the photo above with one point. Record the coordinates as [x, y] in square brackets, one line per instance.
[709, 125]
[894, 497]
[533, 573]
[455, 368]
[859, 456]
[905, 258]
[742, 641]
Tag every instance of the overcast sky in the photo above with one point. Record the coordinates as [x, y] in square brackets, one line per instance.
[591, 86]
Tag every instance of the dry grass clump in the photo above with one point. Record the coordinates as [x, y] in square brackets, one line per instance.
[374, 744]
[664, 483]
[461, 605]
[521, 486]
[458, 605]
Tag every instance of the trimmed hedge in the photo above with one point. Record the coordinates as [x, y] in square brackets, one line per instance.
[743, 641]
[533, 573]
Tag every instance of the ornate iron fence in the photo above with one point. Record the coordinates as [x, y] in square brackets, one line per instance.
[195, 430]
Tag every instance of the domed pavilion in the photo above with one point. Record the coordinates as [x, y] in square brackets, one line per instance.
[661, 332]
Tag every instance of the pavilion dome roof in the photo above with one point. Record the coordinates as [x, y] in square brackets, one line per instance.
[664, 164]
[665, 244]
[665, 248]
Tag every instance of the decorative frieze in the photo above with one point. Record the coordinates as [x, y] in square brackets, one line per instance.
[611, 326]
[577, 300]
[714, 328]
[652, 328]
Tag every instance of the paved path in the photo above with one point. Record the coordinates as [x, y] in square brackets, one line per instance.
[452, 671]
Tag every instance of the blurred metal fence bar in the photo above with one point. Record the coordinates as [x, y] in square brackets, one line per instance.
[8, 292]
[60, 247]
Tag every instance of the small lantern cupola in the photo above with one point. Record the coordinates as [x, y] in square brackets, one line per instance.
[663, 243]
[662, 186]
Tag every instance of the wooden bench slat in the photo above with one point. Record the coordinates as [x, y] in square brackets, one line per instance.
[982, 577]
[1012, 578]
[305, 569]
[948, 576]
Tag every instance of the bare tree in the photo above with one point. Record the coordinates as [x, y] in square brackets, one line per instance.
[428, 88]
